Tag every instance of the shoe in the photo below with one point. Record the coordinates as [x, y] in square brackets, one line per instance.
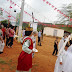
[8, 46]
[40, 45]
[56, 55]
[52, 54]
[11, 47]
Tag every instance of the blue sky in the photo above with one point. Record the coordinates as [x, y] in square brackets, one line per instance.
[42, 11]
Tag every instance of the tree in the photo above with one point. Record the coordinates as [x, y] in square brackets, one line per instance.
[5, 23]
[67, 10]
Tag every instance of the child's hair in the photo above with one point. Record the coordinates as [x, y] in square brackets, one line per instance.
[35, 32]
[27, 33]
[56, 37]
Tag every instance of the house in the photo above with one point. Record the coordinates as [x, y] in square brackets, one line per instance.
[50, 31]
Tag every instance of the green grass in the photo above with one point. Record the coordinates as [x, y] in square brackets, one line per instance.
[3, 62]
[12, 68]
[10, 60]
[3, 69]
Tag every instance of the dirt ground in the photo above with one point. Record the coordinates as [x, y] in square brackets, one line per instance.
[43, 61]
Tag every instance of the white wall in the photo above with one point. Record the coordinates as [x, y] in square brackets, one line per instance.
[34, 25]
[50, 31]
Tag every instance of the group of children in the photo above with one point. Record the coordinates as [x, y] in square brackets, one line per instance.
[64, 59]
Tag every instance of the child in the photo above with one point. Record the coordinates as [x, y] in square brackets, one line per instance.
[55, 46]
[25, 58]
[59, 66]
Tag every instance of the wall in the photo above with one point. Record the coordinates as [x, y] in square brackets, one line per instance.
[50, 31]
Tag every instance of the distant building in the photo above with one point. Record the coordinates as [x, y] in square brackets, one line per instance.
[50, 31]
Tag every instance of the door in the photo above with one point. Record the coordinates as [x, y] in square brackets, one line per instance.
[55, 33]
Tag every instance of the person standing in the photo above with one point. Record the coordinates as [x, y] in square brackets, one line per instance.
[59, 65]
[1, 41]
[11, 35]
[39, 37]
[25, 58]
[33, 37]
[3, 29]
[62, 42]
[55, 46]
[42, 34]
[7, 36]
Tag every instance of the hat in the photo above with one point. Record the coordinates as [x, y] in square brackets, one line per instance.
[29, 28]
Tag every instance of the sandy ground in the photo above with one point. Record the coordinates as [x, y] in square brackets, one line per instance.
[43, 61]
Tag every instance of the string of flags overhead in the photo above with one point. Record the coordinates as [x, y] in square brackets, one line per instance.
[39, 23]
[48, 3]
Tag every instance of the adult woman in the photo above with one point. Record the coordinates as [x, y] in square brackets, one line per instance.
[25, 58]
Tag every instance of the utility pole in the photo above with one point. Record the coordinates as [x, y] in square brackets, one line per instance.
[21, 20]
[33, 17]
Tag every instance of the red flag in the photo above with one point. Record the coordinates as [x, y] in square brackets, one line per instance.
[15, 4]
[47, 2]
[65, 15]
[62, 25]
[10, 7]
[61, 13]
[68, 25]
[52, 6]
[9, 16]
[71, 25]
[68, 16]
[58, 10]
[70, 19]
[43, 0]
[10, 1]
[55, 8]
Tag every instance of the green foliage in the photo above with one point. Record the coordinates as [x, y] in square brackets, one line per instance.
[69, 29]
[5, 23]
[67, 10]
[24, 25]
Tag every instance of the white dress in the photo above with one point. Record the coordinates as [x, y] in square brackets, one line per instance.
[60, 44]
[61, 58]
[68, 62]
